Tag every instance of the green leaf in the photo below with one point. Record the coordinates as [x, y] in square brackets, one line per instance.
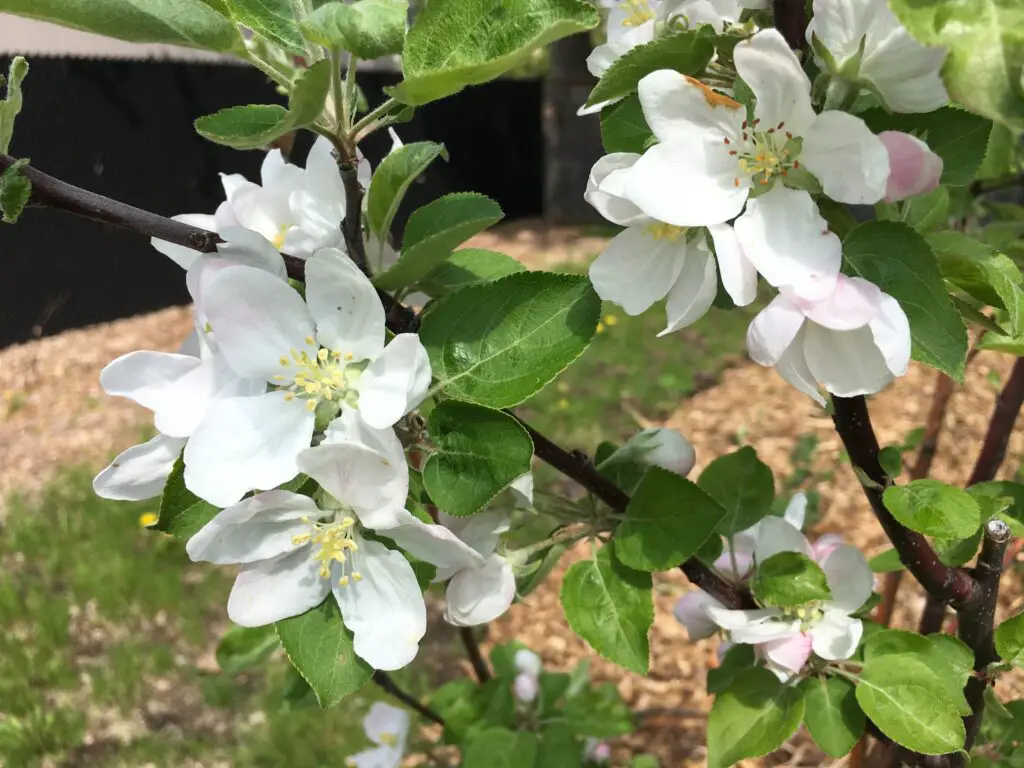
[958, 137]
[368, 29]
[934, 508]
[743, 485]
[181, 22]
[886, 562]
[754, 717]
[667, 521]
[898, 260]
[500, 748]
[957, 551]
[469, 266]
[15, 191]
[610, 606]
[537, 572]
[624, 128]
[499, 343]
[434, 231]
[271, 19]
[256, 125]
[558, 748]
[738, 658]
[480, 452]
[891, 460]
[455, 43]
[599, 711]
[320, 648]
[243, 647]
[685, 52]
[1004, 496]
[789, 578]
[460, 704]
[10, 105]
[182, 513]
[645, 761]
[391, 180]
[991, 84]
[998, 153]
[1010, 640]
[946, 657]
[831, 714]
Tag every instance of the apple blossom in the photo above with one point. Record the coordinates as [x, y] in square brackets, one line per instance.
[853, 342]
[651, 260]
[388, 728]
[913, 168]
[140, 472]
[864, 42]
[327, 351]
[596, 751]
[525, 687]
[710, 160]
[528, 662]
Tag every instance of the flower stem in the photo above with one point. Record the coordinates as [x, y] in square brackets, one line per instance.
[480, 668]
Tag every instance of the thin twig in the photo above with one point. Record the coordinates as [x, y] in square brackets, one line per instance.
[385, 683]
[997, 437]
[480, 668]
[981, 186]
[791, 21]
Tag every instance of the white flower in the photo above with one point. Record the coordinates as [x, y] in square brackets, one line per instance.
[651, 260]
[525, 687]
[293, 554]
[665, 448]
[388, 728]
[328, 349]
[902, 72]
[140, 472]
[710, 160]
[527, 662]
[913, 168]
[788, 635]
[853, 342]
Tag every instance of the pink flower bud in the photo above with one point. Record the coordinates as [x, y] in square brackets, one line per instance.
[525, 688]
[913, 168]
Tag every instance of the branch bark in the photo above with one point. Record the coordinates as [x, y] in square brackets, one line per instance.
[476, 659]
[385, 683]
[791, 21]
[1000, 426]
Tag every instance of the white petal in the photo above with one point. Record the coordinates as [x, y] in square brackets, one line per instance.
[840, 25]
[348, 312]
[789, 242]
[232, 182]
[846, 363]
[323, 178]
[317, 225]
[349, 427]
[775, 535]
[378, 757]
[836, 635]
[148, 378]
[385, 723]
[773, 330]
[179, 254]
[246, 443]
[783, 92]
[756, 626]
[141, 471]
[481, 531]
[738, 275]
[272, 590]
[477, 596]
[385, 610]
[690, 612]
[637, 269]
[606, 189]
[849, 578]
[891, 331]
[666, 448]
[730, 619]
[257, 319]
[792, 367]
[527, 662]
[394, 383]
[681, 109]
[433, 544]
[789, 652]
[258, 528]
[243, 246]
[372, 484]
[694, 290]
[853, 304]
[851, 163]
[796, 510]
[522, 489]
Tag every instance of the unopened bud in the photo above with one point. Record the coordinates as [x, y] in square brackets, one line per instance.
[527, 662]
[913, 168]
[525, 688]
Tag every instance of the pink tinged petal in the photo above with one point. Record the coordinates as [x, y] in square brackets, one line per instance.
[744, 561]
[792, 367]
[913, 168]
[606, 189]
[348, 312]
[851, 163]
[477, 596]
[261, 527]
[791, 652]
[149, 379]
[636, 269]
[257, 319]
[772, 332]
[525, 688]
[246, 443]
[179, 254]
[891, 331]
[796, 512]
[783, 92]
[140, 472]
[679, 109]
[853, 304]
[846, 363]
[272, 590]
[775, 535]
[693, 292]
[849, 577]
[690, 612]
[787, 240]
[385, 723]
[738, 275]
[385, 609]
[825, 545]
[394, 383]
[373, 485]
[433, 544]
[528, 662]
[836, 636]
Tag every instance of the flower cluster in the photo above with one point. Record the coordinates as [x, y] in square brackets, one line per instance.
[728, 193]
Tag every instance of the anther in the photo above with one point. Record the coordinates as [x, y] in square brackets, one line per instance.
[310, 340]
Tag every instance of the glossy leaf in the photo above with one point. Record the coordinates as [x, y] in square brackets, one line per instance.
[743, 485]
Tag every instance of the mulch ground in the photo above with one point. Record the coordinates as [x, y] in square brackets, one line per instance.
[53, 413]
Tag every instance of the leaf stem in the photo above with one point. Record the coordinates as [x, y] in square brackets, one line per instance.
[358, 130]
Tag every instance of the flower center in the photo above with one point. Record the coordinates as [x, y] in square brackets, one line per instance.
[332, 543]
[388, 739]
[807, 614]
[661, 231]
[765, 154]
[327, 376]
[637, 12]
[278, 239]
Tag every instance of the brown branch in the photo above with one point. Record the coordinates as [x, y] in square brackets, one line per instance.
[1000, 426]
[480, 668]
[981, 186]
[385, 683]
[791, 21]
[351, 226]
